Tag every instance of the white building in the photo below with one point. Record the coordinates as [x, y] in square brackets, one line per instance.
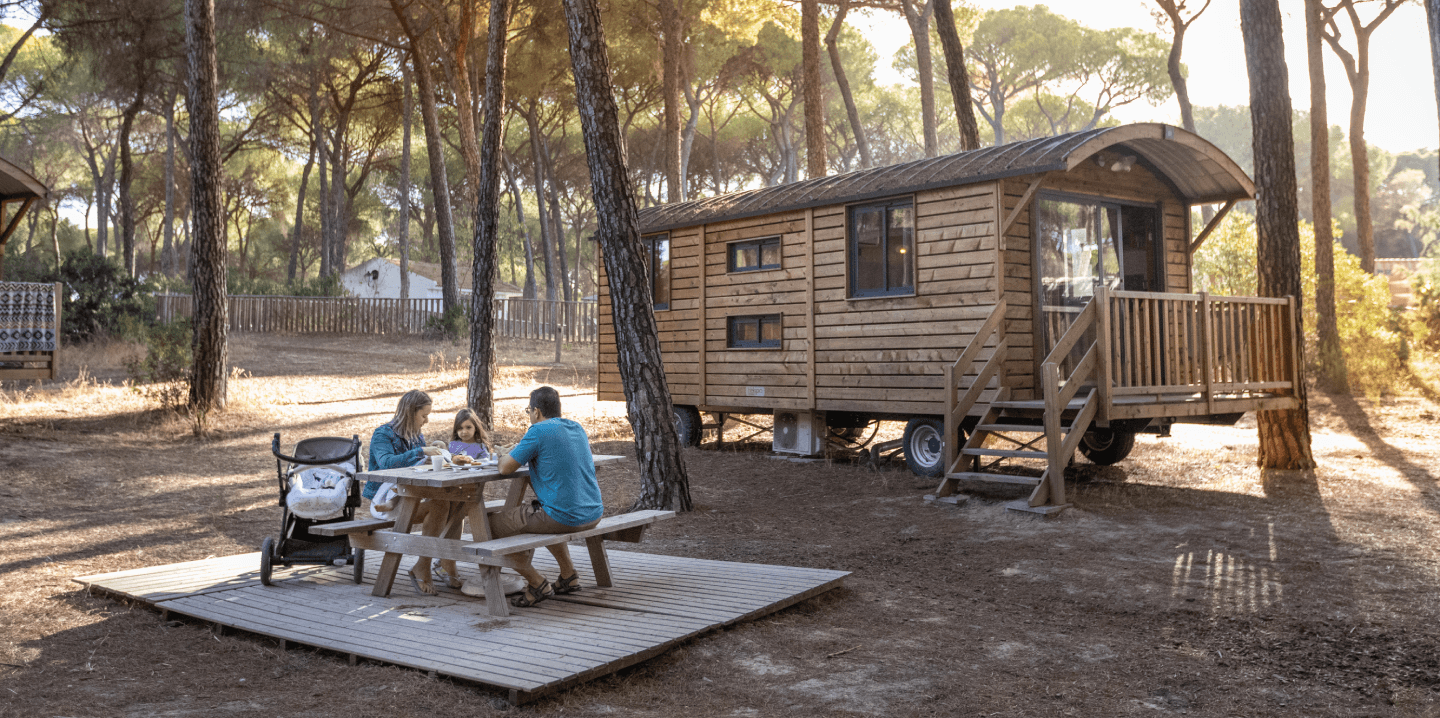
[379, 278]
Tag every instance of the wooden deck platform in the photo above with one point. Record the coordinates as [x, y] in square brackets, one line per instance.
[656, 603]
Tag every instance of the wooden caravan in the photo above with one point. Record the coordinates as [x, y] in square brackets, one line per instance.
[1037, 291]
[29, 313]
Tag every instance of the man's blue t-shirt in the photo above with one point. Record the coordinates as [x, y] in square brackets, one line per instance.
[562, 470]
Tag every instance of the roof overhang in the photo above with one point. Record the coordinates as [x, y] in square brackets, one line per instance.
[16, 183]
[1199, 172]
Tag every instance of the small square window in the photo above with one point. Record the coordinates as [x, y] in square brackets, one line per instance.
[753, 255]
[882, 249]
[756, 331]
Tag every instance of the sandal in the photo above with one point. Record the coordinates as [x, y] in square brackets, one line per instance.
[451, 578]
[427, 587]
[566, 585]
[532, 595]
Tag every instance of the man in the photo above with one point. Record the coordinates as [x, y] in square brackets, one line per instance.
[562, 474]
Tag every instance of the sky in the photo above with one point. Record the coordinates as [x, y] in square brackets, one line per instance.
[1401, 113]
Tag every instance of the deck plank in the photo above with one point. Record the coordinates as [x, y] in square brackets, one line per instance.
[656, 603]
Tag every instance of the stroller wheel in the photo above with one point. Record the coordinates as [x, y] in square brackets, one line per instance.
[267, 550]
[359, 564]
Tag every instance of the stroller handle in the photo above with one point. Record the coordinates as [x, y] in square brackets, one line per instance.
[352, 453]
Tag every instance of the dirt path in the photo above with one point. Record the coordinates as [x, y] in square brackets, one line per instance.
[1183, 581]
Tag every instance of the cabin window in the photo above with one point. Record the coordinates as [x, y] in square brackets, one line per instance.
[882, 249]
[755, 331]
[753, 255]
[657, 263]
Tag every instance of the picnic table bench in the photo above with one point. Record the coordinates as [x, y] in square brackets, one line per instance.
[466, 486]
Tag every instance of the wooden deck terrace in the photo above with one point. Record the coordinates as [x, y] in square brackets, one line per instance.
[657, 602]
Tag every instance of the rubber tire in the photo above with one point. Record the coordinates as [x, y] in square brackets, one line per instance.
[1106, 446]
[924, 450]
[358, 562]
[687, 424]
[267, 552]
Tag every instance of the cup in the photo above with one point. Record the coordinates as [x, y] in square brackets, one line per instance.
[437, 462]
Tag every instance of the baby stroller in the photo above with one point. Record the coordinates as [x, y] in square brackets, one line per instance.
[317, 486]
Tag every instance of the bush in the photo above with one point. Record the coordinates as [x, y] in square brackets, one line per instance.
[163, 375]
[1370, 337]
[1424, 321]
[100, 299]
[453, 324]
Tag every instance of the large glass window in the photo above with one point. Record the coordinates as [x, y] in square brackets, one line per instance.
[756, 331]
[1084, 243]
[657, 262]
[882, 249]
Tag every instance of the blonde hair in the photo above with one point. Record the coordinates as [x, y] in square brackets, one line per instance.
[404, 422]
[482, 434]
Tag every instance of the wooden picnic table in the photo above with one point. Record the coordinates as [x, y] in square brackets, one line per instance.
[465, 486]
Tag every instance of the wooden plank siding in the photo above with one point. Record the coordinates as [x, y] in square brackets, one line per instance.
[879, 355]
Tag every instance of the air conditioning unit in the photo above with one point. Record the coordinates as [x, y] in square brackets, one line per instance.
[799, 432]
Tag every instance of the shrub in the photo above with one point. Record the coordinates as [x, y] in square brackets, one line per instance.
[100, 300]
[163, 375]
[452, 324]
[1424, 321]
[1369, 336]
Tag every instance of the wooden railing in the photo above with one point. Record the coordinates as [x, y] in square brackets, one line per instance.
[1187, 344]
[519, 318]
[1058, 390]
[994, 368]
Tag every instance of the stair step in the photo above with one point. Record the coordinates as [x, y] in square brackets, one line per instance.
[1035, 404]
[1030, 428]
[994, 478]
[1008, 453]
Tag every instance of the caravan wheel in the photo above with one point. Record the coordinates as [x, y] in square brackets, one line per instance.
[687, 424]
[1106, 446]
[924, 447]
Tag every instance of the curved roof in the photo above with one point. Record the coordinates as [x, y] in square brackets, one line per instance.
[16, 183]
[1196, 170]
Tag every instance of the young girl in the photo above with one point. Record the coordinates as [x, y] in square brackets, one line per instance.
[469, 436]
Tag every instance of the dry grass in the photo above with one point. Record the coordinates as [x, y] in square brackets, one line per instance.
[1184, 580]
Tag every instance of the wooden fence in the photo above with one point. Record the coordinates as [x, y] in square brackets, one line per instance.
[520, 318]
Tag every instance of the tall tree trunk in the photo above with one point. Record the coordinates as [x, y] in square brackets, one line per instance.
[663, 480]
[406, 110]
[563, 275]
[439, 182]
[207, 379]
[852, 113]
[546, 229]
[324, 203]
[481, 388]
[167, 252]
[1332, 359]
[1284, 434]
[959, 75]
[55, 233]
[815, 161]
[919, 20]
[339, 217]
[529, 286]
[297, 231]
[1432, 20]
[1357, 71]
[672, 29]
[127, 177]
[1178, 25]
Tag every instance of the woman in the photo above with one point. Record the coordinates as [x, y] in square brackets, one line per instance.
[399, 443]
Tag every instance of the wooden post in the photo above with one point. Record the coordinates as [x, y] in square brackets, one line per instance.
[55, 356]
[948, 441]
[704, 397]
[810, 303]
[1207, 342]
[1102, 338]
[1055, 476]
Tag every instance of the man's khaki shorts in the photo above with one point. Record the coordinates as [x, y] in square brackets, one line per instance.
[529, 519]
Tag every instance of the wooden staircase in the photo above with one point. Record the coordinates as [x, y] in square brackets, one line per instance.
[1056, 423]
